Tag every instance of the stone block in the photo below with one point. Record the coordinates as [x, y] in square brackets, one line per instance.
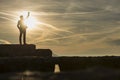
[44, 52]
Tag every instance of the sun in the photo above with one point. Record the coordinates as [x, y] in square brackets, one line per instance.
[30, 21]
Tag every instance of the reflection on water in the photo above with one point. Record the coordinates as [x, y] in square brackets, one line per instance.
[93, 73]
[29, 75]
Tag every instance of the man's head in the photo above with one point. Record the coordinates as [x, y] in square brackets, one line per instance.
[21, 17]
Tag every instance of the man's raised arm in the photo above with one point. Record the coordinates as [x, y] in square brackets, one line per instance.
[28, 15]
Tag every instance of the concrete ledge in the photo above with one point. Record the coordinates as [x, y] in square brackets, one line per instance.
[44, 52]
[20, 64]
[16, 50]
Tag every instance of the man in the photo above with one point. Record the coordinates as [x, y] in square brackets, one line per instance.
[22, 28]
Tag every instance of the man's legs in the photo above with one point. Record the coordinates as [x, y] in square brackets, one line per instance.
[24, 37]
[20, 38]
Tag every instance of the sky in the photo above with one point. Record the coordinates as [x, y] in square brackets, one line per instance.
[67, 27]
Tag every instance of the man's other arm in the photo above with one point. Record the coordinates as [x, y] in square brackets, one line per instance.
[18, 25]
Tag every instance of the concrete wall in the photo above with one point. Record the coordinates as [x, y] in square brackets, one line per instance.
[20, 64]
[15, 57]
[16, 50]
[44, 52]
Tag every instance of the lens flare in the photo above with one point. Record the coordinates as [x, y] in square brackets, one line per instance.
[30, 21]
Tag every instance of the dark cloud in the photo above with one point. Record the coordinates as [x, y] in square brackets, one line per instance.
[115, 42]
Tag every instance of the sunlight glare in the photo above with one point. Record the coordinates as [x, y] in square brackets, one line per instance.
[31, 21]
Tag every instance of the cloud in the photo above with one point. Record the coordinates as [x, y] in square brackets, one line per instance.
[4, 42]
[66, 26]
[113, 42]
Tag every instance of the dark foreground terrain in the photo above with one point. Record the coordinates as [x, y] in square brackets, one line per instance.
[72, 68]
[88, 74]
[25, 62]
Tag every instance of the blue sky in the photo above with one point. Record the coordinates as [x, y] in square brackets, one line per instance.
[71, 27]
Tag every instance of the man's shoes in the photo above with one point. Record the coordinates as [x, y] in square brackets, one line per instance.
[25, 44]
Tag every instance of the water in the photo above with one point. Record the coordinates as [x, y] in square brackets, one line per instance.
[29, 75]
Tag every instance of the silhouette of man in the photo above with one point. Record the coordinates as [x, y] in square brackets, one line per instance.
[22, 28]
